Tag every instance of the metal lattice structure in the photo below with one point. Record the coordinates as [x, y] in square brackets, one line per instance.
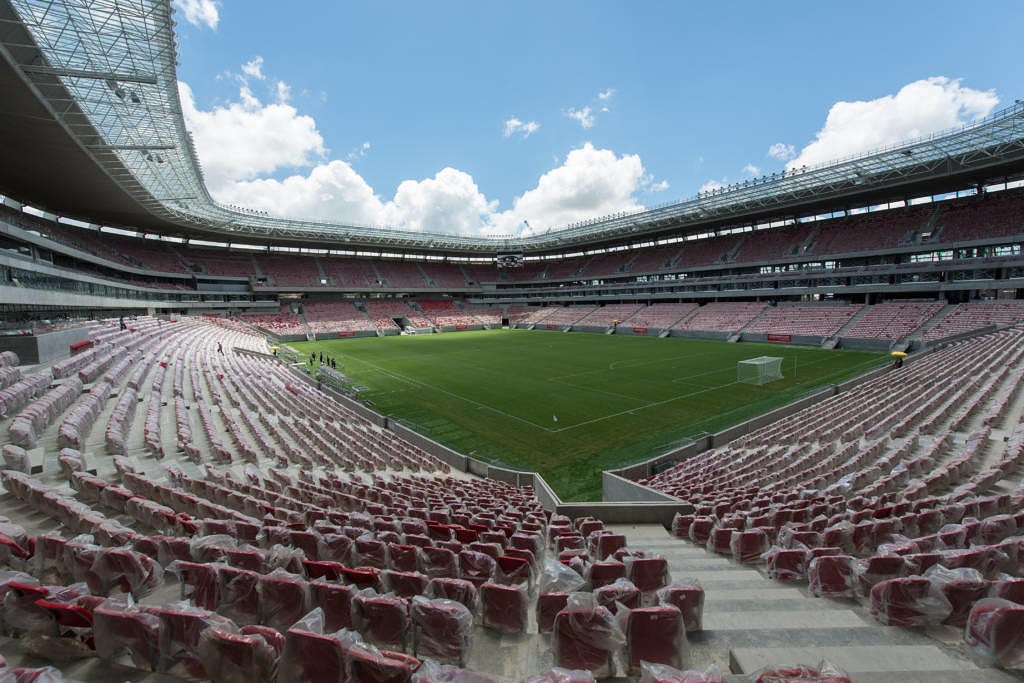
[105, 70]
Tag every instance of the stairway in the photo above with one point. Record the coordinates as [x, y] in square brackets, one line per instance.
[833, 341]
[320, 270]
[751, 621]
[931, 322]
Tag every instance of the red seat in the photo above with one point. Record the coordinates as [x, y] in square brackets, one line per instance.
[504, 607]
[995, 633]
[251, 560]
[369, 552]
[366, 665]
[880, 568]
[648, 573]
[284, 599]
[362, 578]
[1009, 589]
[911, 601]
[198, 583]
[336, 602]
[548, 606]
[382, 619]
[404, 584]
[602, 573]
[586, 639]
[119, 626]
[787, 564]
[442, 628]
[622, 591]
[403, 557]
[311, 657]
[236, 657]
[688, 597]
[329, 571]
[655, 634]
[436, 562]
[681, 525]
[238, 595]
[961, 587]
[748, 546]
[459, 590]
[719, 540]
[700, 529]
[513, 570]
[179, 640]
[602, 545]
[335, 548]
[478, 568]
[832, 576]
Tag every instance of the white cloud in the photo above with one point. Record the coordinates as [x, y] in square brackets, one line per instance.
[659, 187]
[254, 68]
[606, 95]
[200, 12]
[584, 116]
[514, 125]
[712, 185]
[782, 151]
[919, 108]
[751, 169]
[242, 143]
[591, 183]
[246, 139]
[284, 92]
[360, 151]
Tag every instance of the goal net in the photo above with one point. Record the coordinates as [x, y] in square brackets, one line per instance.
[760, 370]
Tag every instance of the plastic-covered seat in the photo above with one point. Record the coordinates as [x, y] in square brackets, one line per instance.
[363, 578]
[1009, 589]
[878, 568]
[748, 546]
[513, 570]
[786, 564]
[404, 584]
[403, 558]
[832, 576]
[310, 656]
[442, 628]
[603, 573]
[656, 635]
[180, 629]
[961, 587]
[238, 595]
[382, 619]
[367, 665]
[648, 573]
[504, 608]
[284, 599]
[335, 548]
[911, 601]
[336, 602]
[548, 606]
[459, 590]
[719, 540]
[623, 591]
[602, 545]
[688, 597]
[198, 583]
[700, 529]
[230, 657]
[369, 552]
[120, 626]
[436, 562]
[127, 571]
[995, 633]
[586, 637]
[478, 568]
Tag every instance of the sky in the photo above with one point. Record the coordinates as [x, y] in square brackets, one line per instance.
[489, 118]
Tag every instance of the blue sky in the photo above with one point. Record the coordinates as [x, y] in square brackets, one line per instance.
[471, 117]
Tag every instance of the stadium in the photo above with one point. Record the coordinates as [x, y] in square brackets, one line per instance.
[768, 432]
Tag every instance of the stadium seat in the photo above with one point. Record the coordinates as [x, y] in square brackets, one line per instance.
[688, 597]
[995, 633]
[656, 635]
[504, 608]
[832, 576]
[442, 629]
[382, 619]
[912, 601]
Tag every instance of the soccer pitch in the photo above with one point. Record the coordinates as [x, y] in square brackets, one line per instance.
[571, 405]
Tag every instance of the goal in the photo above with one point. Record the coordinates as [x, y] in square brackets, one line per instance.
[760, 370]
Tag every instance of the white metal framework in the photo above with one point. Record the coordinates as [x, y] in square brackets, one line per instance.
[759, 371]
[106, 71]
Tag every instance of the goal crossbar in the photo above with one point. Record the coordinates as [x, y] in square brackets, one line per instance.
[760, 370]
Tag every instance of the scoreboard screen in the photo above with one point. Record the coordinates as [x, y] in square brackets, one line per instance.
[508, 260]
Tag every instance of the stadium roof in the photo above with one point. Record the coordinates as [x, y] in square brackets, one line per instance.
[92, 128]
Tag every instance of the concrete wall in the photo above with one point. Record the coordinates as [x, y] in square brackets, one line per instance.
[326, 336]
[798, 339]
[47, 347]
[700, 334]
[627, 513]
[617, 489]
[453, 458]
[868, 344]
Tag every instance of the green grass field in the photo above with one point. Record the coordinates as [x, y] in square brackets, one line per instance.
[496, 394]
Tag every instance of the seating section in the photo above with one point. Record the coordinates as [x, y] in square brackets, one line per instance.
[336, 316]
[281, 323]
[723, 316]
[350, 272]
[444, 313]
[383, 312]
[998, 215]
[894, 319]
[288, 271]
[661, 316]
[975, 315]
[219, 262]
[529, 315]
[566, 315]
[774, 243]
[605, 316]
[401, 274]
[870, 231]
[820, 320]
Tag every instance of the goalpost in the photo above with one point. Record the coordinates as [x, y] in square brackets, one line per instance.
[759, 371]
